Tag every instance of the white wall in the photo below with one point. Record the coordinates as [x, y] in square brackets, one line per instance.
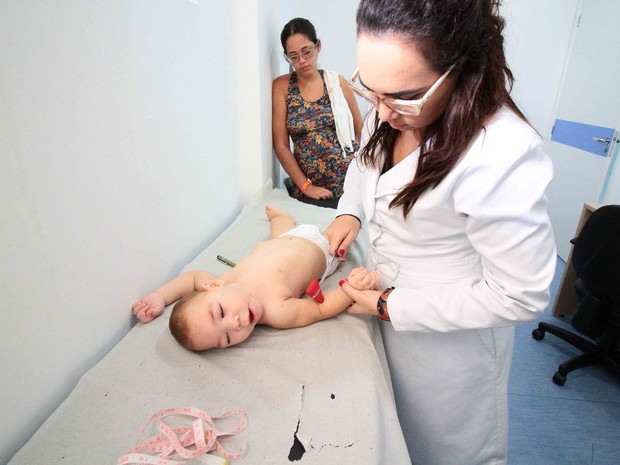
[588, 95]
[537, 39]
[118, 163]
[538, 43]
[131, 132]
[337, 33]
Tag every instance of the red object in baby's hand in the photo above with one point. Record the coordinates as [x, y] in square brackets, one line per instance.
[314, 291]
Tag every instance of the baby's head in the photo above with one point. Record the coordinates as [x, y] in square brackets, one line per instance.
[220, 316]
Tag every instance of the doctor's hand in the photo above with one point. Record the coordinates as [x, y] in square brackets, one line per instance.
[365, 301]
[341, 233]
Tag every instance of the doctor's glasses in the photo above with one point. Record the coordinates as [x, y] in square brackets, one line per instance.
[402, 107]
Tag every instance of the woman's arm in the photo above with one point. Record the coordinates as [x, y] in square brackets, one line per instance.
[281, 143]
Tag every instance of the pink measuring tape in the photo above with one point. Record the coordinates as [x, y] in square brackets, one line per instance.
[162, 448]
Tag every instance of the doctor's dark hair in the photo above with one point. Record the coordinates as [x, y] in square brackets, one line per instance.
[298, 26]
[467, 33]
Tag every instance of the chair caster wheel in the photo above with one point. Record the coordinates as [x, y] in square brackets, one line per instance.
[538, 334]
[559, 378]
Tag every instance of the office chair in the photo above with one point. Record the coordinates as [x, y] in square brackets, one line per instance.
[596, 261]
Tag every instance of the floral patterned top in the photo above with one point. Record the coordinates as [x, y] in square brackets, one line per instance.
[315, 143]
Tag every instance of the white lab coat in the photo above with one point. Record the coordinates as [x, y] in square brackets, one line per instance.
[475, 252]
[475, 256]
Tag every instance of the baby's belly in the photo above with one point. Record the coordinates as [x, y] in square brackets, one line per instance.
[291, 261]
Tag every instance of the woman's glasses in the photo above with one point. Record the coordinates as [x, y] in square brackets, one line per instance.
[402, 107]
[305, 53]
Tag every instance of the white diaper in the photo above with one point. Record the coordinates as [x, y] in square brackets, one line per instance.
[312, 233]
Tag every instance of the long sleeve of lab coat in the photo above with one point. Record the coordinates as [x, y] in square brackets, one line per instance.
[476, 251]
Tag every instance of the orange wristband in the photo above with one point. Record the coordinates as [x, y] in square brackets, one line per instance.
[304, 188]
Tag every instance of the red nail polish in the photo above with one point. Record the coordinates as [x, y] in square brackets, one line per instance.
[341, 252]
[341, 282]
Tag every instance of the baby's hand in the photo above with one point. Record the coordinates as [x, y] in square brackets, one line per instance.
[362, 279]
[149, 307]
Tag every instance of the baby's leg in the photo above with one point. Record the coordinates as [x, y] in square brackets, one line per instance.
[279, 221]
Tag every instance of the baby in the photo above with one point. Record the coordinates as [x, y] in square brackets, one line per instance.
[266, 287]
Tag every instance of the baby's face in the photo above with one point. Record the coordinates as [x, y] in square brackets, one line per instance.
[222, 317]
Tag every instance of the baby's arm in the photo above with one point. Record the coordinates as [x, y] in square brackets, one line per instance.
[152, 305]
[294, 313]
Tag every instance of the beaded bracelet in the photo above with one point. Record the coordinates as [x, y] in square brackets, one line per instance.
[382, 308]
[304, 188]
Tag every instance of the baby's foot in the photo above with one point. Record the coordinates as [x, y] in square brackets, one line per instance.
[274, 212]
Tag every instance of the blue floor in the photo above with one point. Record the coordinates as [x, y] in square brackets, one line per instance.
[578, 423]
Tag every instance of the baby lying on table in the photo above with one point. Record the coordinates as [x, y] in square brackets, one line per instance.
[264, 288]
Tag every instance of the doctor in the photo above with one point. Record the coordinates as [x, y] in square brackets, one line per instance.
[450, 184]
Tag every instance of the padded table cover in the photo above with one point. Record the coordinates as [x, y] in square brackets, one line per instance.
[328, 383]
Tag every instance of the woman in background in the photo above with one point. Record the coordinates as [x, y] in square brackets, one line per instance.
[450, 183]
[319, 112]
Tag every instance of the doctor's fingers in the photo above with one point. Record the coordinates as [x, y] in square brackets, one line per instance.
[340, 241]
[357, 309]
[341, 233]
